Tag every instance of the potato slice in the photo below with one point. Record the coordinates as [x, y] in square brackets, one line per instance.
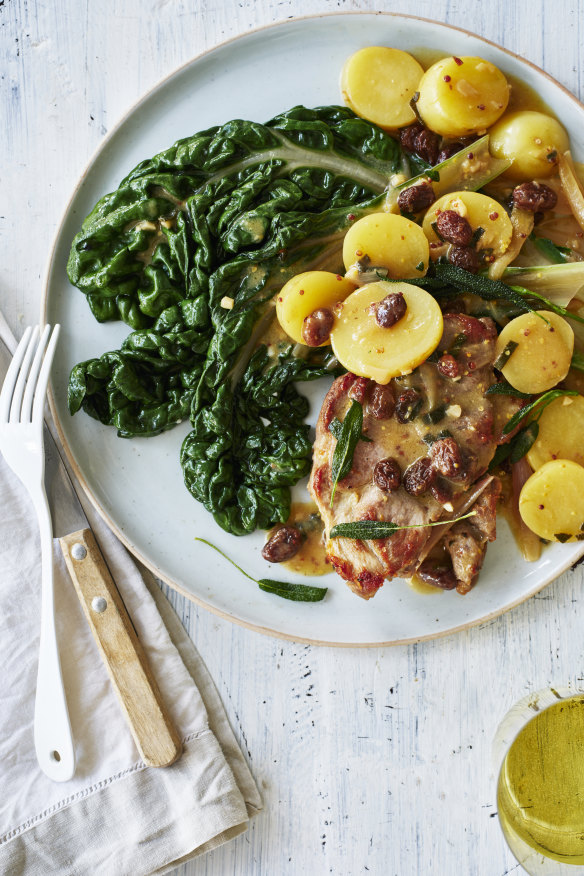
[543, 353]
[532, 141]
[561, 427]
[386, 240]
[304, 294]
[551, 502]
[378, 84]
[382, 353]
[482, 212]
[460, 96]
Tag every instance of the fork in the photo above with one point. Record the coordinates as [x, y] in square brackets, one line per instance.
[22, 401]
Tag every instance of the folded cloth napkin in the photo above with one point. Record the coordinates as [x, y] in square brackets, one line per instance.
[116, 816]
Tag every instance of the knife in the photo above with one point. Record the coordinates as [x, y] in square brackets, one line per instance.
[152, 728]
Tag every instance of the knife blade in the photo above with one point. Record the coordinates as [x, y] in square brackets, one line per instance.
[150, 723]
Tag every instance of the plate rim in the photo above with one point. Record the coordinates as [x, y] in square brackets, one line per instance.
[118, 532]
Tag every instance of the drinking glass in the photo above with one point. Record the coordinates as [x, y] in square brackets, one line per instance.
[538, 755]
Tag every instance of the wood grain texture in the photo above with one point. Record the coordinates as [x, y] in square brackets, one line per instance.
[153, 730]
[369, 761]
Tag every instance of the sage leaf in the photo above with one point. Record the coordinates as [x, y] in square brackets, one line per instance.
[295, 592]
[505, 355]
[367, 529]
[577, 361]
[504, 388]
[540, 403]
[287, 590]
[523, 442]
[347, 439]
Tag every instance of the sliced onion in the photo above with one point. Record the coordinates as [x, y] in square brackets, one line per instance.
[522, 222]
[571, 187]
[528, 542]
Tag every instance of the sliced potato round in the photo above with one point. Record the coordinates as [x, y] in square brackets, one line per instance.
[551, 502]
[460, 96]
[304, 294]
[540, 350]
[561, 427]
[368, 350]
[532, 140]
[378, 84]
[482, 212]
[386, 240]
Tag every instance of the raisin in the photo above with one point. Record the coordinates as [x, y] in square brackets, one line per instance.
[382, 404]
[283, 545]
[407, 136]
[390, 310]
[359, 389]
[448, 151]
[447, 458]
[416, 198]
[464, 257]
[407, 405]
[419, 476]
[426, 145]
[448, 366]
[454, 228]
[317, 327]
[417, 138]
[437, 575]
[441, 490]
[534, 197]
[387, 475]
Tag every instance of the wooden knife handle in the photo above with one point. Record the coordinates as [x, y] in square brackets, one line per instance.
[152, 728]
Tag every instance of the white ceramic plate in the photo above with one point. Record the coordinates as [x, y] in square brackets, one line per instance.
[137, 484]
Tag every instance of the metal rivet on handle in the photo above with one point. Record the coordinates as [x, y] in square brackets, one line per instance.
[99, 604]
[78, 551]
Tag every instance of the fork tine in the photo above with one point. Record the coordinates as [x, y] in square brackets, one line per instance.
[23, 374]
[43, 378]
[20, 383]
[12, 376]
[31, 382]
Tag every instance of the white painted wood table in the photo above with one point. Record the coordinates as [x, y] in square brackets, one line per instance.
[368, 760]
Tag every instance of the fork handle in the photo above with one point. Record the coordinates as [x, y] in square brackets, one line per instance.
[152, 727]
[53, 738]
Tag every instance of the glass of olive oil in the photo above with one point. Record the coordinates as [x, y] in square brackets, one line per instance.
[540, 790]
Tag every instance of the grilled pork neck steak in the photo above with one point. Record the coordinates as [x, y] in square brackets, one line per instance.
[432, 437]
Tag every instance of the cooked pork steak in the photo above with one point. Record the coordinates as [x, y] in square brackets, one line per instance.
[434, 428]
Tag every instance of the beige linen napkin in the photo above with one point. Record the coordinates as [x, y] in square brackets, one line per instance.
[116, 816]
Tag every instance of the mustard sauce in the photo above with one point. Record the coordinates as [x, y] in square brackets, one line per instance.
[310, 558]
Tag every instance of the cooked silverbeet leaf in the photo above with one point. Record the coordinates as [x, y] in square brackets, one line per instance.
[228, 215]
[577, 361]
[296, 592]
[221, 193]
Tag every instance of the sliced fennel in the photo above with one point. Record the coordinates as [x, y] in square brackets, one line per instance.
[559, 283]
[467, 170]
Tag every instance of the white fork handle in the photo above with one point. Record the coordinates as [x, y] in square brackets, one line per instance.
[53, 738]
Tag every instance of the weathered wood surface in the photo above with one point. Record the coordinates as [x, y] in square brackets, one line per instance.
[368, 761]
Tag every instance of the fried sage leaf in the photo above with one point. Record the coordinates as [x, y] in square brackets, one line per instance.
[287, 590]
[367, 529]
[347, 438]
